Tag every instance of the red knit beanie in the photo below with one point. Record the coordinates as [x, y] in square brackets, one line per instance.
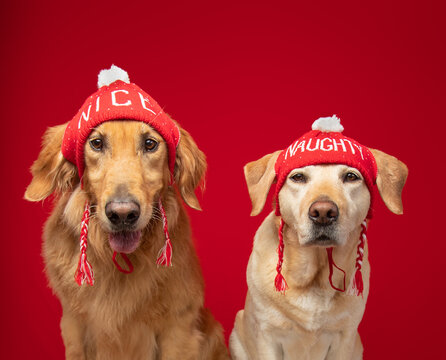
[116, 99]
[324, 144]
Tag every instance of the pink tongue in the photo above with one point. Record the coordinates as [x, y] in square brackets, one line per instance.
[124, 242]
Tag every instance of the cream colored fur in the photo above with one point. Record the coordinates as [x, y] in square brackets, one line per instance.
[311, 320]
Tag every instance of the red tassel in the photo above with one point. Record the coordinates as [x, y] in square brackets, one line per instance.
[279, 281]
[165, 254]
[357, 284]
[84, 272]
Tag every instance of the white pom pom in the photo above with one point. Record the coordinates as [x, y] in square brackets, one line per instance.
[109, 76]
[328, 124]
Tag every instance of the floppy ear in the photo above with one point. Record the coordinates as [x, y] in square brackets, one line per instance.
[392, 175]
[260, 175]
[190, 167]
[51, 171]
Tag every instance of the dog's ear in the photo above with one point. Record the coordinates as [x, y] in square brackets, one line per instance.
[51, 171]
[190, 167]
[260, 175]
[392, 175]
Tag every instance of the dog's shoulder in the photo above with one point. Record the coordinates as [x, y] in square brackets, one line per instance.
[262, 262]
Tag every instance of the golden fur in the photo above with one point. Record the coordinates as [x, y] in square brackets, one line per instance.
[154, 312]
[311, 321]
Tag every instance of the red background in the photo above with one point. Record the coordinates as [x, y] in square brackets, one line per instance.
[245, 78]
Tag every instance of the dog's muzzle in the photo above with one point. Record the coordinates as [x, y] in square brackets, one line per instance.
[122, 214]
[323, 215]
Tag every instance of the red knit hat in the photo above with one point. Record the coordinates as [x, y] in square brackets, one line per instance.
[324, 144]
[116, 99]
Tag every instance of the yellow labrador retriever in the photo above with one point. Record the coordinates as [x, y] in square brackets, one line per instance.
[322, 206]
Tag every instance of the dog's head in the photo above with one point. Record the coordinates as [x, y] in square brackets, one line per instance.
[126, 172]
[323, 204]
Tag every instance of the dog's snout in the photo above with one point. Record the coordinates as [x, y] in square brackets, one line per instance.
[122, 213]
[323, 212]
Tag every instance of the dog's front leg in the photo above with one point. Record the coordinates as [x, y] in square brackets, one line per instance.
[263, 346]
[180, 339]
[135, 340]
[348, 347]
[73, 330]
[248, 341]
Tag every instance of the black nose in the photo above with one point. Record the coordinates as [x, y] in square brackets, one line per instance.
[323, 212]
[122, 213]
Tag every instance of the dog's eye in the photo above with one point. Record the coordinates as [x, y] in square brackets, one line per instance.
[96, 144]
[299, 177]
[350, 177]
[150, 144]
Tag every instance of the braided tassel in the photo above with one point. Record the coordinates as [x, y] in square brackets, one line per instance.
[84, 272]
[280, 282]
[165, 254]
[357, 284]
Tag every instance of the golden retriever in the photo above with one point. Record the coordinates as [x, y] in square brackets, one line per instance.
[311, 321]
[154, 312]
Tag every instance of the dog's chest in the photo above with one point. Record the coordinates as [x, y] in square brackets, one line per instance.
[314, 310]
